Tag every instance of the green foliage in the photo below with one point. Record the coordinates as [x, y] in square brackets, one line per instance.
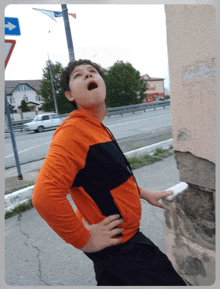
[24, 106]
[144, 160]
[45, 90]
[122, 81]
[167, 97]
[19, 209]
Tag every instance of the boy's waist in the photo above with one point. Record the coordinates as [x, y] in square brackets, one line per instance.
[120, 249]
[103, 254]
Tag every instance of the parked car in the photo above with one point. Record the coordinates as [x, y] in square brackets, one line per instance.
[43, 121]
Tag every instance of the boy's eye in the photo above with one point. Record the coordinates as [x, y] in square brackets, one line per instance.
[77, 75]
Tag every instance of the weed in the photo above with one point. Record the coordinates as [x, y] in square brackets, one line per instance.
[136, 147]
[20, 208]
[138, 162]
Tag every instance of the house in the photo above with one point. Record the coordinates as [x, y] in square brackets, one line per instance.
[154, 88]
[27, 90]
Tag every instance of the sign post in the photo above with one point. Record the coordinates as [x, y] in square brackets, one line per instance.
[11, 28]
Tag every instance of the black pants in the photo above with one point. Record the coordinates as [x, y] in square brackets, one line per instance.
[136, 262]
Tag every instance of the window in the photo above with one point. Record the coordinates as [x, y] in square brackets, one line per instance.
[45, 117]
[12, 100]
[37, 118]
[37, 97]
[26, 98]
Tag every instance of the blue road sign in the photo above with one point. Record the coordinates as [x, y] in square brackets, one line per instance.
[12, 26]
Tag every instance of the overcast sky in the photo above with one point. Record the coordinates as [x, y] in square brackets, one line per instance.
[100, 32]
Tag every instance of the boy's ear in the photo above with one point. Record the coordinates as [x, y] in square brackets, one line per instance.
[69, 96]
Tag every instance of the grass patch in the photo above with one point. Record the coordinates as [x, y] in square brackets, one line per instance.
[165, 138]
[20, 208]
[144, 160]
[135, 147]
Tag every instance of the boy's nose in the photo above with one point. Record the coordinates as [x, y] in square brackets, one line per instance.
[88, 74]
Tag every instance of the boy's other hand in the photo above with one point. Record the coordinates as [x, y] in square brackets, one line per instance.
[153, 197]
[101, 234]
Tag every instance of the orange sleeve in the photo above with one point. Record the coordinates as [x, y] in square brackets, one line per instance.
[54, 180]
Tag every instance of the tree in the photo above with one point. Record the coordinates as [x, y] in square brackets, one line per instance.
[46, 92]
[122, 81]
[24, 106]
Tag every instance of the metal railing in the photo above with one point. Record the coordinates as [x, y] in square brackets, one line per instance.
[120, 110]
[136, 107]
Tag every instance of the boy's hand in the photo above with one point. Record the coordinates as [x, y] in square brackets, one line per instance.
[154, 197]
[101, 234]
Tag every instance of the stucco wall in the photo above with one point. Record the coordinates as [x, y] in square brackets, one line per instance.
[191, 39]
[190, 217]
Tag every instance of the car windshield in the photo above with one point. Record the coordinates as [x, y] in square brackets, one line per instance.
[37, 118]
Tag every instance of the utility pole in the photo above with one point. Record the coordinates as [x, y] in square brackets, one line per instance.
[54, 93]
[20, 177]
[68, 32]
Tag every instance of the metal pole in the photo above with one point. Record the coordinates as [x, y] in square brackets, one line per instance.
[68, 32]
[54, 93]
[20, 177]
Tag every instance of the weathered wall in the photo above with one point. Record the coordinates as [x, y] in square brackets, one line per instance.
[189, 219]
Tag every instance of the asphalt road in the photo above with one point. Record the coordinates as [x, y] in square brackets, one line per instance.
[36, 256]
[130, 130]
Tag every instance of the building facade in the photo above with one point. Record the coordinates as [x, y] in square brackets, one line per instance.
[24, 90]
[154, 88]
[190, 218]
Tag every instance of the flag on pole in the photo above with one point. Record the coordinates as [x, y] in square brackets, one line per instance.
[53, 14]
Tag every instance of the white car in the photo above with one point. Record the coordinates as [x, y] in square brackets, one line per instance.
[43, 121]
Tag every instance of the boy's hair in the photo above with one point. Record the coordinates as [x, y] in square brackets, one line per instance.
[65, 75]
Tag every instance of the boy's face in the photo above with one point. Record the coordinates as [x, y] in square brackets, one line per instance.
[87, 87]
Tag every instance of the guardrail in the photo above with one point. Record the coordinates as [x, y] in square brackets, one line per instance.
[136, 107]
[120, 110]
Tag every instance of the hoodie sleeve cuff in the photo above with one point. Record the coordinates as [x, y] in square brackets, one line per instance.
[82, 240]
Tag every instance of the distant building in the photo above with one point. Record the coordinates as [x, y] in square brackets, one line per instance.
[27, 90]
[154, 88]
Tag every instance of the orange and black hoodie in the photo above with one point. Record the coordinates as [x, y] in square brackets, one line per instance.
[85, 161]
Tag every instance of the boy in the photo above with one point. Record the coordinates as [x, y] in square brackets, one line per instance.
[85, 160]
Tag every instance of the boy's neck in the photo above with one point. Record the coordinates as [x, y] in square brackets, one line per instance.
[99, 111]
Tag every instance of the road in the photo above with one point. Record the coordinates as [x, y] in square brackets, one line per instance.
[129, 130]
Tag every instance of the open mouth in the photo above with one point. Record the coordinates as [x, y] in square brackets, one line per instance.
[92, 85]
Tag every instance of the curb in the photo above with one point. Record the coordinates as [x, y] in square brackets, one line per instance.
[17, 198]
[24, 195]
[151, 149]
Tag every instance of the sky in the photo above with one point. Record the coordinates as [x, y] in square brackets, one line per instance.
[134, 33]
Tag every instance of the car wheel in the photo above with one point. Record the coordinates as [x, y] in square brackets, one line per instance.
[40, 129]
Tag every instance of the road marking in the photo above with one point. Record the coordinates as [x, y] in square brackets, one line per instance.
[28, 149]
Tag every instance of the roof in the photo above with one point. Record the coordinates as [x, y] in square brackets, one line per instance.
[10, 85]
[150, 78]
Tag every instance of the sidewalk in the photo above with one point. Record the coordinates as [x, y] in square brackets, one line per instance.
[36, 256]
